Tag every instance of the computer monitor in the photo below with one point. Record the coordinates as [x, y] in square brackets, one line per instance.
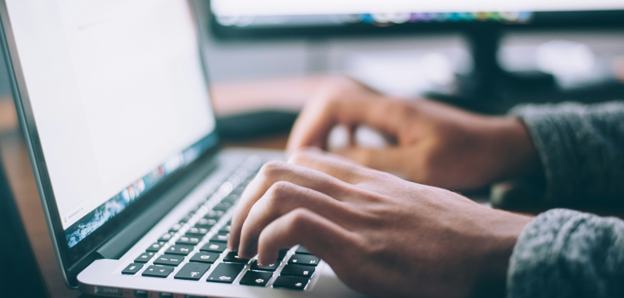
[281, 17]
[481, 21]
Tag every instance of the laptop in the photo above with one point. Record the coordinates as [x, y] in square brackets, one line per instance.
[21, 276]
[114, 105]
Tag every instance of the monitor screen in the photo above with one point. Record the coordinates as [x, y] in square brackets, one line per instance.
[119, 98]
[276, 13]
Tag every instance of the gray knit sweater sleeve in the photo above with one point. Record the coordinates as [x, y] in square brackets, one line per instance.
[581, 148]
[564, 253]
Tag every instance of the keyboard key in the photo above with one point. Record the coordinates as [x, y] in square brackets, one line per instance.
[180, 249]
[214, 214]
[158, 271]
[303, 260]
[144, 257]
[298, 270]
[132, 269]
[234, 180]
[186, 218]
[291, 282]
[188, 240]
[220, 238]
[214, 247]
[240, 188]
[194, 210]
[176, 228]
[170, 260]
[155, 247]
[205, 257]
[196, 232]
[259, 279]
[281, 254]
[192, 271]
[233, 197]
[205, 223]
[226, 229]
[225, 273]
[166, 237]
[232, 257]
[270, 267]
[302, 250]
[241, 172]
[222, 206]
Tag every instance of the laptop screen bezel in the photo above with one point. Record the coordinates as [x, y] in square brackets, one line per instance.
[70, 257]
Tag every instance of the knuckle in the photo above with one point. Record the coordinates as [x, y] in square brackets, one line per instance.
[279, 191]
[305, 155]
[299, 156]
[403, 110]
[298, 219]
[272, 168]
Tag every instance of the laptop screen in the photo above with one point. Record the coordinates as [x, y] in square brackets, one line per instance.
[118, 96]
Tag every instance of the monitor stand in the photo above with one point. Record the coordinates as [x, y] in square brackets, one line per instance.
[489, 88]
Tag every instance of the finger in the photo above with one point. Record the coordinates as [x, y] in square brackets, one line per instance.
[320, 116]
[282, 198]
[319, 235]
[331, 164]
[273, 172]
[393, 159]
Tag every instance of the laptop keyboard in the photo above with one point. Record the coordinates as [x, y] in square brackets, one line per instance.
[195, 247]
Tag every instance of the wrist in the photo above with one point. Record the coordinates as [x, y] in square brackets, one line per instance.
[518, 157]
[504, 231]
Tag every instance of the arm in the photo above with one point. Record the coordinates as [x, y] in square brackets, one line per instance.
[563, 253]
[581, 148]
[381, 235]
[387, 237]
[434, 144]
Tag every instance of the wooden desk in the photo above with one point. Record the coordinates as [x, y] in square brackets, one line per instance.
[228, 98]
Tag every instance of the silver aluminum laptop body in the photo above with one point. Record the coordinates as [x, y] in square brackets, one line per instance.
[95, 264]
[324, 282]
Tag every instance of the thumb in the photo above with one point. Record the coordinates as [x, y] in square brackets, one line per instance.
[390, 159]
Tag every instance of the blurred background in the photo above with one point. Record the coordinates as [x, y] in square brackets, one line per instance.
[266, 59]
[405, 54]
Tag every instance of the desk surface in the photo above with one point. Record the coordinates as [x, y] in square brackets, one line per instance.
[229, 98]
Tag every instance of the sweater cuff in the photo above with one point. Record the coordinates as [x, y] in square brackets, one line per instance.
[548, 132]
[564, 253]
[534, 259]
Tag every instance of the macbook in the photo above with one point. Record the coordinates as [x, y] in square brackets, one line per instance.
[115, 109]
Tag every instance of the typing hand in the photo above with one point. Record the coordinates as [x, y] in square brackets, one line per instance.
[435, 144]
[382, 235]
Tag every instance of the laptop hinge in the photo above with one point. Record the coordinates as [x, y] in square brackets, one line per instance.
[119, 244]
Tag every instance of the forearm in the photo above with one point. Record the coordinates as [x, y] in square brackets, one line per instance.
[564, 253]
[581, 149]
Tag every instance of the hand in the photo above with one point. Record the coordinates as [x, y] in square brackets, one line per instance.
[435, 144]
[382, 235]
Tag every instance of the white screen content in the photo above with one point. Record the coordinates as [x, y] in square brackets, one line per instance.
[227, 8]
[116, 89]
